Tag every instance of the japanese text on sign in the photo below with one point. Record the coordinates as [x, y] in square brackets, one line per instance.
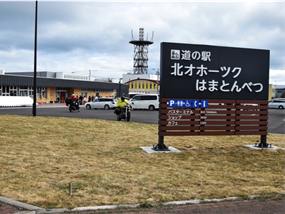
[201, 71]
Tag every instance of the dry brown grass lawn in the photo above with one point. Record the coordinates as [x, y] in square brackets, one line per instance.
[40, 156]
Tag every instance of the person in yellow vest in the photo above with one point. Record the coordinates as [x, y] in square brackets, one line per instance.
[121, 104]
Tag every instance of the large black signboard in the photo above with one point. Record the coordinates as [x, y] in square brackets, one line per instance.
[211, 90]
[213, 72]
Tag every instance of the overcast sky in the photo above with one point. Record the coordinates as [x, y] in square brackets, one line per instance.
[78, 36]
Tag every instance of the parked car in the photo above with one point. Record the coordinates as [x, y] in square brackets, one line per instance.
[131, 95]
[277, 103]
[145, 101]
[104, 103]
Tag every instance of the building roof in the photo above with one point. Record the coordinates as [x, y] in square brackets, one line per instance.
[14, 80]
[279, 86]
[147, 80]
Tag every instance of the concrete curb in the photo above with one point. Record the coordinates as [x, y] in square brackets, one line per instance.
[47, 211]
[105, 207]
[155, 204]
[26, 212]
[19, 204]
[37, 210]
[30, 209]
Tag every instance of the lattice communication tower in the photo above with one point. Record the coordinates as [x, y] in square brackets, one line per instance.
[141, 52]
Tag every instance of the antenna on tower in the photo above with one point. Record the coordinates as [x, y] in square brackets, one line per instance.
[141, 52]
[152, 36]
[132, 35]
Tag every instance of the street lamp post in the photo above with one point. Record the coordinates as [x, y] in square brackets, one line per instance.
[120, 87]
[35, 63]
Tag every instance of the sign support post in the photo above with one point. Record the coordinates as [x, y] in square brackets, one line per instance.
[263, 143]
[160, 146]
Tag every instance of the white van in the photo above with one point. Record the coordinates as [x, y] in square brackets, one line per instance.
[145, 101]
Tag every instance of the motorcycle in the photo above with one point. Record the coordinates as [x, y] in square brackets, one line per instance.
[124, 113]
[73, 105]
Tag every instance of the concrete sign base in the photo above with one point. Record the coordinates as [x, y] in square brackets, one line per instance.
[269, 148]
[149, 150]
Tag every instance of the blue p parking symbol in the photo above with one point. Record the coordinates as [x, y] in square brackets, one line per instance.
[171, 103]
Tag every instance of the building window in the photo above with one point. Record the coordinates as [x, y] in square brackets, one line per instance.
[41, 92]
[13, 92]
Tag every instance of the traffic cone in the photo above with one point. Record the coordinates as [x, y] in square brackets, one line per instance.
[53, 102]
[42, 103]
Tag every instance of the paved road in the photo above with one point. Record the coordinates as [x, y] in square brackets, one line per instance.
[138, 116]
[276, 119]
